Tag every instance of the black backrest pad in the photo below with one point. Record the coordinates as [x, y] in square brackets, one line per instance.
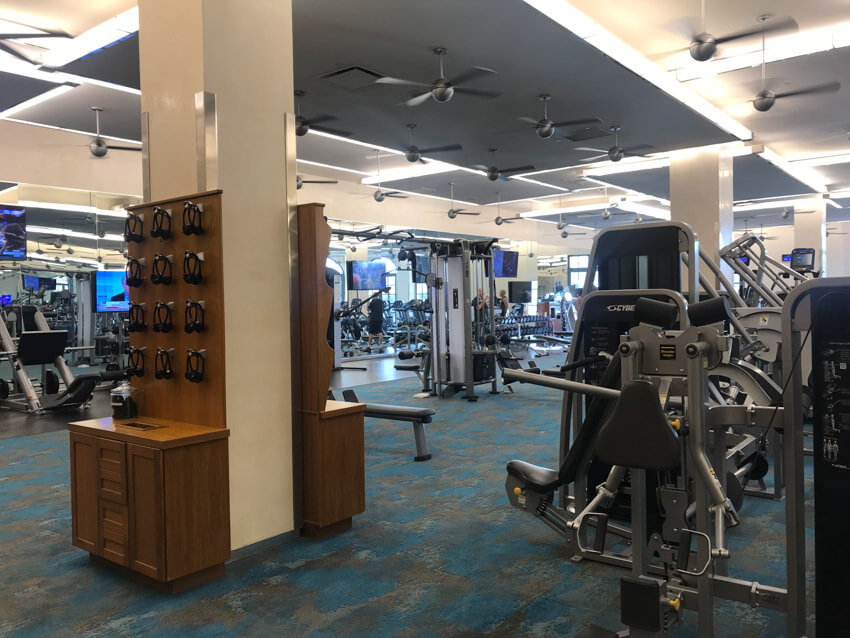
[583, 442]
[637, 434]
[41, 346]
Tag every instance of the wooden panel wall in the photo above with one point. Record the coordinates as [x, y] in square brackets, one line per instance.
[177, 398]
[316, 300]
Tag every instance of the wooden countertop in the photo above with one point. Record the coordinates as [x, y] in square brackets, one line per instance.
[339, 408]
[167, 434]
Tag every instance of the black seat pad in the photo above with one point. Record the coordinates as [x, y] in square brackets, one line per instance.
[398, 412]
[536, 478]
[408, 367]
[637, 434]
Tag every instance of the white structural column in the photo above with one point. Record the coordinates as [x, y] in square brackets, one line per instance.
[240, 54]
[701, 195]
[810, 229]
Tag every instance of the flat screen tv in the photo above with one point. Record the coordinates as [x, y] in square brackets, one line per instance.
[111, 293]
[519, 291]
[366, 275]
[421, 265]
[30, 281]
[47, 283]
[5, 300]
[786, 257]
[505, 263]
[13, 232]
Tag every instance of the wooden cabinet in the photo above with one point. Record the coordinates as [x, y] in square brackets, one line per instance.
[334, 468]
[154, 502]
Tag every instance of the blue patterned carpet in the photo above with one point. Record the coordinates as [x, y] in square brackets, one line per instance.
[438, 551]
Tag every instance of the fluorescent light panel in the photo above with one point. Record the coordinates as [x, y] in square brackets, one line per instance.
[96, 38]
[804, 174]
[38, 99]
[49, 230]
[73, 208]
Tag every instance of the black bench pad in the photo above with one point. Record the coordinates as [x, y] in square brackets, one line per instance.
[399, 412]
[538, 479]
[407, 367]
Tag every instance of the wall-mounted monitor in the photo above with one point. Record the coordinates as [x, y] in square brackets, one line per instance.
[13, 232]
[111, 291]
[366, 275]
[803, 259]
[30, 282]
[505, 263]
[519, 291]
[46, 283]
[5, 300]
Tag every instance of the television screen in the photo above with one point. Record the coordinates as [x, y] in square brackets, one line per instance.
[786, 257]
[421, 266]
[505, 263]
[366, 275]
[111, 292]
[30, 281]
[13, 232]
[519, 291]
[47, 283]
[5, 300]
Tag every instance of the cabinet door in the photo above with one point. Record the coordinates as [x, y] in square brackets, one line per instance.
[84, 487]
[144, 478]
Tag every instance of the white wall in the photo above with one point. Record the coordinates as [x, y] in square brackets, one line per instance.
[838, 250]
[49, 157]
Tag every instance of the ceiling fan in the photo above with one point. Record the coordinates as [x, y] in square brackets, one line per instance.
[545, 127]
[98, 146]
[703, 45]
[765, 98]
[443, 89]
[300, 181]
[380, 195]
[454, 212]
[494, 173]
[303, 125]
[44, 33]
[414, 154]
[616, 152]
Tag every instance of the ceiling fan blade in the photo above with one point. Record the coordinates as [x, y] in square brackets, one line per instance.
[590, 148]
[530, 120]
[332, 131]
[830, 87]
[124, 148]
[14, 52]
[416, 100]
[394, 194]
[459, 212]
[516, 169]
[595, 158]
[319, 119]
[319, 181]
[590, 120]
[441, 149]
[469, 74]
[771, 26]
[478, 92]
[479, 167]
[399, 81]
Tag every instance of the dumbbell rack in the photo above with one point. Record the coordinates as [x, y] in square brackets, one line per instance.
[178, 398]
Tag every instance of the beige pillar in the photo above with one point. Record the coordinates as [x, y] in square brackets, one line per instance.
[239, 56]
[810, 229]
[701, 195]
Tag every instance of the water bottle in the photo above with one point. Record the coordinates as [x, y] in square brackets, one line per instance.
[123, 406]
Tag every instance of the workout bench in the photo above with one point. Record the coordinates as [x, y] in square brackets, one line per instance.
[417, 416]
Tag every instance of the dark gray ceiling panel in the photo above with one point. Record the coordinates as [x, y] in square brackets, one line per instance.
[117, 63]
[72, 110]
[387, 37]
[15, 89]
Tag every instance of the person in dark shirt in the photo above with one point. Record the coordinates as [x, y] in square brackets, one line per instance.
[376, 321]
[503, 303]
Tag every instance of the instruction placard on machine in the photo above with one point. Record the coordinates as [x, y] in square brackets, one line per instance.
[667, 352]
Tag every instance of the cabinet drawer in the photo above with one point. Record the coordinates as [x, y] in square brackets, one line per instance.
[112, 471]
[114, 535]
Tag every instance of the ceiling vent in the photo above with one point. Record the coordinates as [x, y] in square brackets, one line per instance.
[352, 78]
[587, 133]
